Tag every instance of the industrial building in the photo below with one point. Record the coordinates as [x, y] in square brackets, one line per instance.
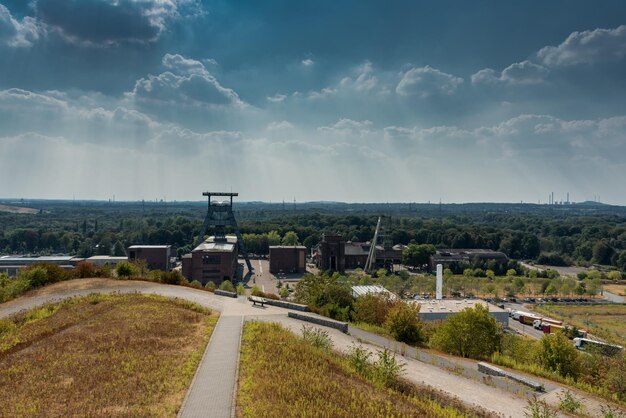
[11, 265]
[450, 256]
[358, 291]
[157, 257]
[213, 260]
[102, 260]
[335, 254]
[440, 310]
[287, 259]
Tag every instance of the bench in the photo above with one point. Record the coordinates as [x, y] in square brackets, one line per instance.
[257, 299]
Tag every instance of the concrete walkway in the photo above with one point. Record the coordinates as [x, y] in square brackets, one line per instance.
[212, 391]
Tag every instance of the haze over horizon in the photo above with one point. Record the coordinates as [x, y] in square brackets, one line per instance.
[403, 101]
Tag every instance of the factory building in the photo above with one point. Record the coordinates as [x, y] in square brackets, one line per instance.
[440, 310]
[12, 265]
[287, 259]
[213, 260]
[157, 257]
[333, 253]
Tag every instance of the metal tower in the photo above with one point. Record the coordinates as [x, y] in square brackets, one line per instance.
[371, 257]
[219, 215]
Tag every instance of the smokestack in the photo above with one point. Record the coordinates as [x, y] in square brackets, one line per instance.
[439, 292]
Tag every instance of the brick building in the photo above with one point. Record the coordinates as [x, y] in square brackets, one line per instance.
[214, 260]
[335, 254]
[287, 259]
[157, 257]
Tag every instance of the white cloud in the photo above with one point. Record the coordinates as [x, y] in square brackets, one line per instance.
[190, 84]
[308, 62]
[346, 127]
[277, 98]
[519, 73]
[363, 80]
[587, 47]
[427, 81]
[277, 126]
[15, 33]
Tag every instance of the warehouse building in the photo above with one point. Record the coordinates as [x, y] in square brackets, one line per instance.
[440, 310]
[157, 257]
[12, 265]
[213, 260]
[287, 259]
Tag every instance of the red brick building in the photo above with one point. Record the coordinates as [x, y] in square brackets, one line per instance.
[157, 257]
[214, 260]
[287, 259]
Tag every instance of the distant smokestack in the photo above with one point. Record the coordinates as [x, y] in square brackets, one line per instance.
[439, 293]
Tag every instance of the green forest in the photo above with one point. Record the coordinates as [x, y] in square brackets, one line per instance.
[553, 236]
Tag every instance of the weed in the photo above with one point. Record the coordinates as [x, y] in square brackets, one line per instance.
[317, 337]
[569, 403]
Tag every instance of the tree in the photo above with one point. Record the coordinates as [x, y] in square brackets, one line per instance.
[602, 252]
[126, 269]
[417, 255]
[558, 354]
[372, 308]
[470, 333]
[118, 249]
[403, 323]
[273, 238]
[291, 239]
[614, 275]
[511, 273]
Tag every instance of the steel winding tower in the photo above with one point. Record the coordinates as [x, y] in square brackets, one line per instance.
[220, 215]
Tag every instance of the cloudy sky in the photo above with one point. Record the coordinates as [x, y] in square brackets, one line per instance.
[319, 100]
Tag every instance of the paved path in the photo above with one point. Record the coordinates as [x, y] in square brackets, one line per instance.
[612, 297]
[213, 388]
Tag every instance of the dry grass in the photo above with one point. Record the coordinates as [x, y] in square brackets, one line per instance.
[605, 321]
[281, 375]
[102, 355]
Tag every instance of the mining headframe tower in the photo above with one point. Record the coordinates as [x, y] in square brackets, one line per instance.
[220, 215]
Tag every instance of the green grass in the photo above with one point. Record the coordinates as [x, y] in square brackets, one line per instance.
[102, 355]
[281, 375]
[606, 321]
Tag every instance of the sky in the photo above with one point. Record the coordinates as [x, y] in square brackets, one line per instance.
[352, 100]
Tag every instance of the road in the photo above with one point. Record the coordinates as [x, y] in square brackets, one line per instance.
[526, 330]
[470, 391]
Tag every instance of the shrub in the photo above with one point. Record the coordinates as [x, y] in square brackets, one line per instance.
[317, 337]
[283, 292]
[227, 286]
[210, 285]
[538, 409]
[359, 359]
[36, 276]
[470, 333]
[256, 291]
[372, 309]
[196, 284]
[240, 289]
[404, 324]
[173, 277]
[569, 403]
[85, 269]
[557, 353]
[387, 370]
[126, 269]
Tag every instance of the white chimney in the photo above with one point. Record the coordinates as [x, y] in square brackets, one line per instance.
[439, 293]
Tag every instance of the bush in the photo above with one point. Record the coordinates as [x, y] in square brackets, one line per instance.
[569, 403]
[359, 359]
[241, 290]
[196, 284]
[404, 324]
[283, 292]
[36, 276]
[126, 269]
[85, 269]
[557, 353]
[317, 337]
[387, 370]
[227, 286]
[172, 277]
[470, 333]
[372, 309]
[210, 285]
[256, 291]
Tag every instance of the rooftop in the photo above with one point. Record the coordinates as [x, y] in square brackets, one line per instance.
[300, 247]
[453, 305]
[358, 291]
[132, 247]
[212, 244]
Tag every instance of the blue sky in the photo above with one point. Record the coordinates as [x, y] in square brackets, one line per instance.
[326, 100]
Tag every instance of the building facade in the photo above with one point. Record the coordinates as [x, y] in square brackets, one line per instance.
[213, 260]
[157, 257]
[287, 259]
